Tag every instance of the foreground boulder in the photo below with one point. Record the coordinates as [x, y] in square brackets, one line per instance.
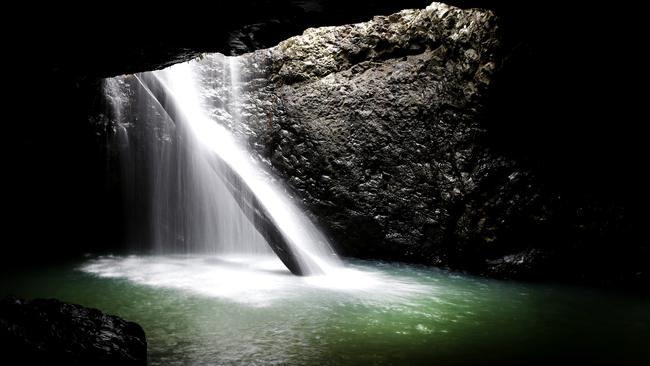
[49, 331]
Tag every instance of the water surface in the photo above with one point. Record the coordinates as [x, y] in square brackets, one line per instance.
[250, 310]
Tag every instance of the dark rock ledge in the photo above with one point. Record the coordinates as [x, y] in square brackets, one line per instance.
[48, 331]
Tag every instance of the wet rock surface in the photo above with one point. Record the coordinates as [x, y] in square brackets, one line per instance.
[381, 129]
[376, 127]
[48, 331]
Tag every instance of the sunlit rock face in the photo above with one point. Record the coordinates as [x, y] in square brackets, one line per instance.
[377, 128]
[381, 128]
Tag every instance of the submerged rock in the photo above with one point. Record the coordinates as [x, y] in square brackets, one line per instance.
[48, 331]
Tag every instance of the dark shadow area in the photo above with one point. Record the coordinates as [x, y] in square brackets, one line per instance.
[567, 105]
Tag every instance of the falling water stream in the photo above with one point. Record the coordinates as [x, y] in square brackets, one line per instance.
[199, 173]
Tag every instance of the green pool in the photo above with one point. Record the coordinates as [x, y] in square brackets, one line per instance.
[242, 311]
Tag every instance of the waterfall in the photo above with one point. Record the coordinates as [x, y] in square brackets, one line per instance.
[190, 183]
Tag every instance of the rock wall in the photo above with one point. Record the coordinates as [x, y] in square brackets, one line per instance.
[380, 129]
[375, 126]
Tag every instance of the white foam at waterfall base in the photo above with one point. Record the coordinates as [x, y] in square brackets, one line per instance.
[308, 244]
[252, 280]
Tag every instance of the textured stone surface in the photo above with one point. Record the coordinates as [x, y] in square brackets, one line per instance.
[380, 129]
[48, 331]
[375, 126]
